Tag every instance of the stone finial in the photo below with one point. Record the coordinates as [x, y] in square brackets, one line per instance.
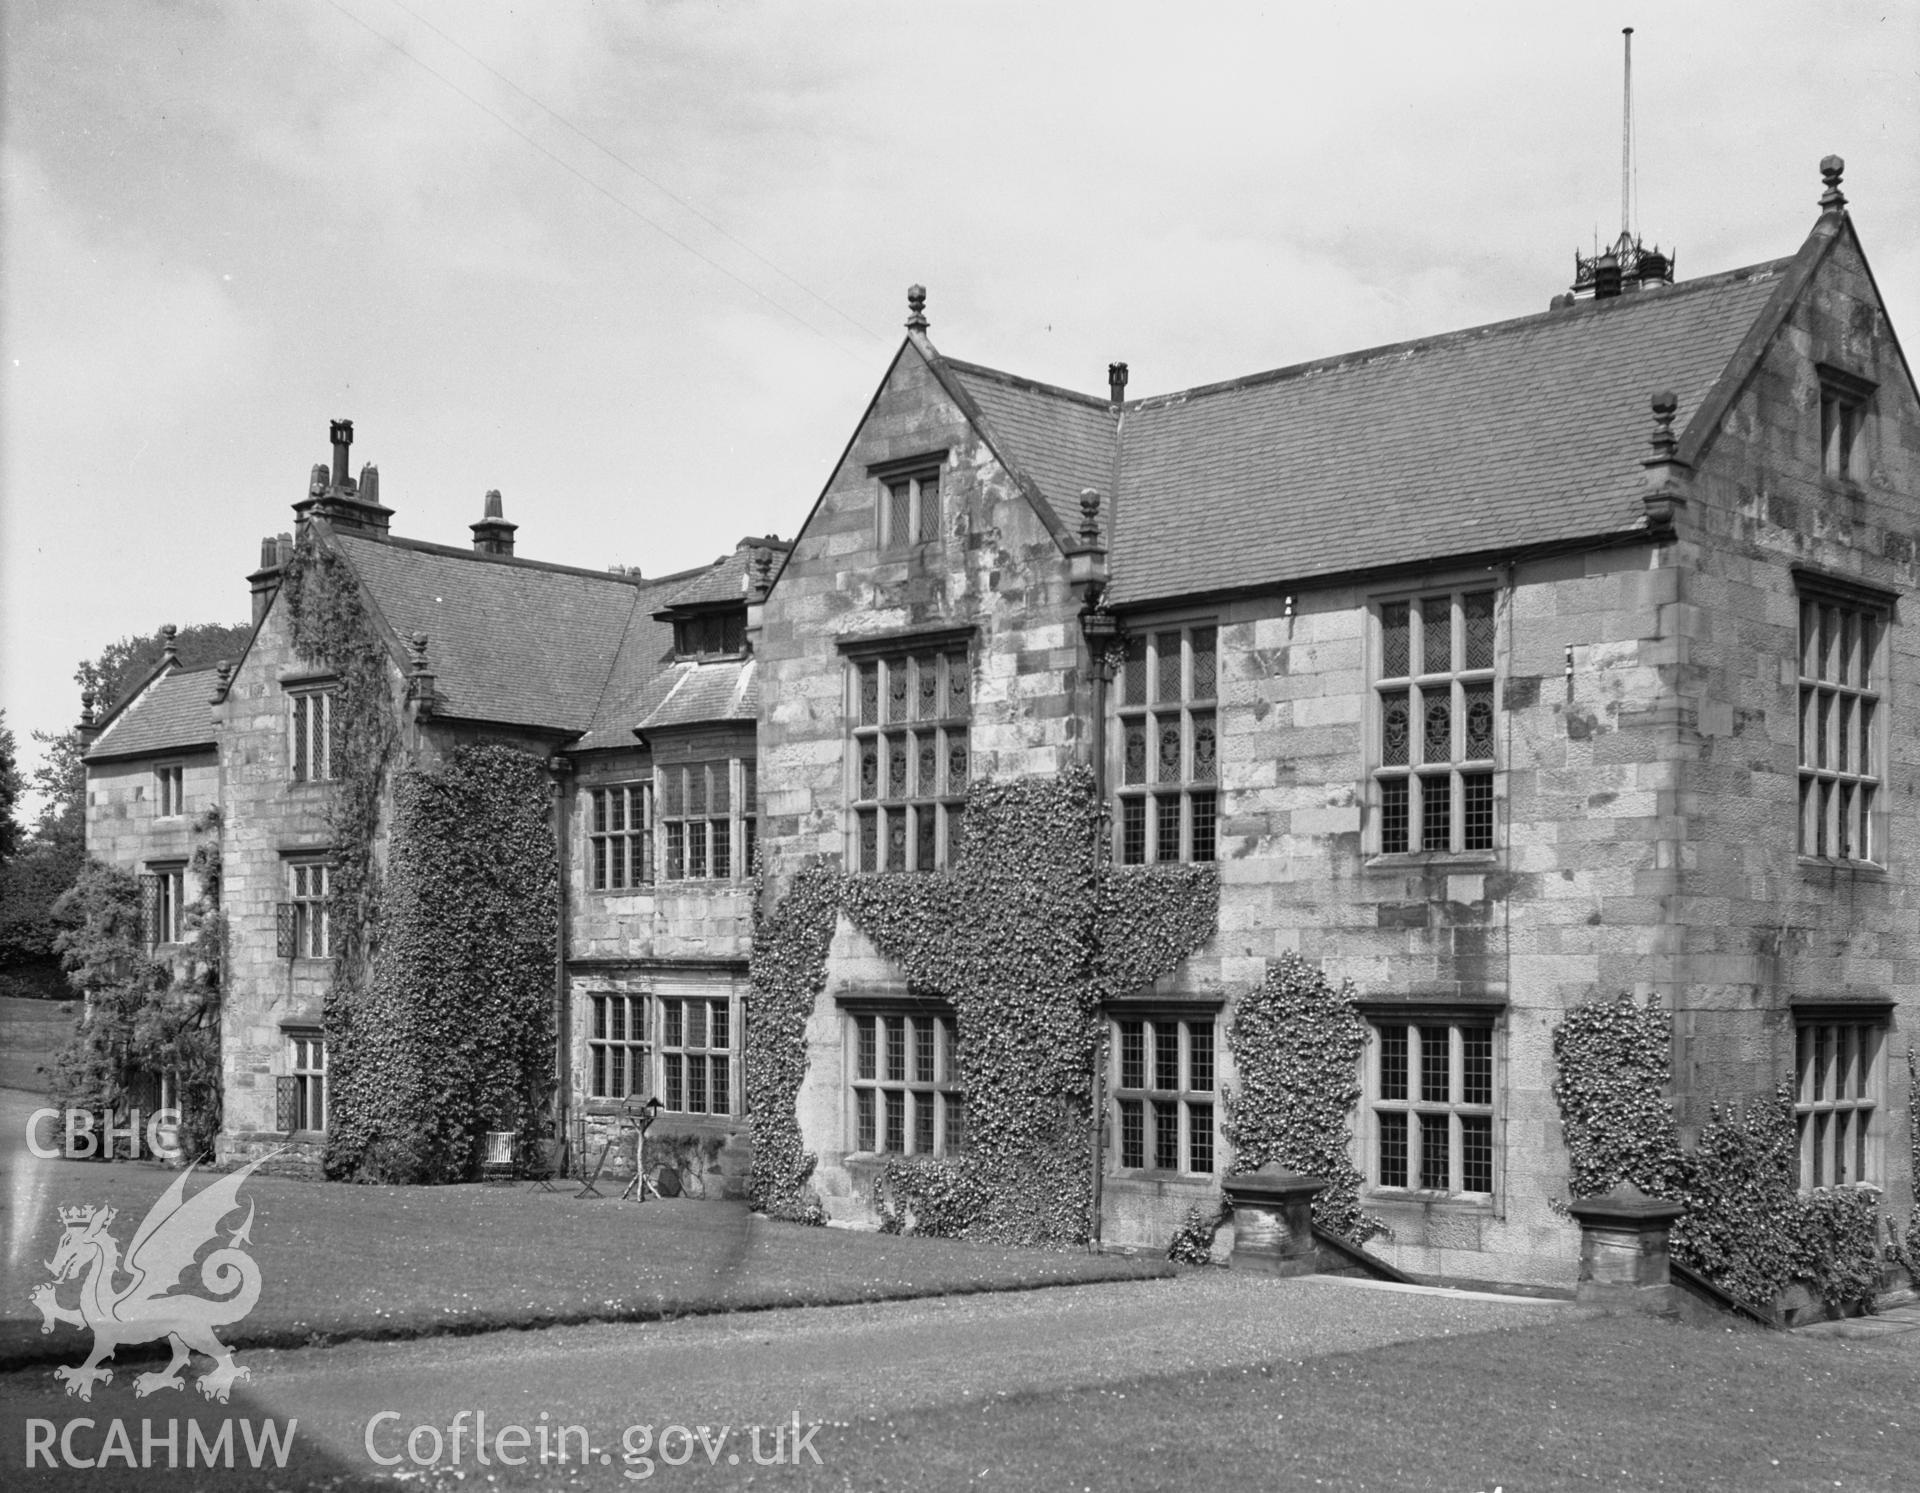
[761, 579]
[1832, 200]
[222, 680]
[417, 650]
[1669, 479]
[1090, 515]
[86, 707]
[916, 308]
[1665, 444]
[169, 651]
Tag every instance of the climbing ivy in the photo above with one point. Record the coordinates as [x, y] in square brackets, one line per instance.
[1745, 1225]
[1015, 937]
[1192, 1242]
[789, 970]
[144, 1016]
[1611, 1064]
[1296, 1044]
[332, 627]
[453, 1035]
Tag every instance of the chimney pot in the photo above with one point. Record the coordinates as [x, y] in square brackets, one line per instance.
[493, 535]
[1117, 383]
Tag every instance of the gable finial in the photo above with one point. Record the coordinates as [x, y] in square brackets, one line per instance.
[916, 308]
[761, 582]
[1832, 200]
[1665, 443]
[86, 707]
[169, 653]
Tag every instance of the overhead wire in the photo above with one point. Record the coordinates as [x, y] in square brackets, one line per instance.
[581, 176]
[626, 165]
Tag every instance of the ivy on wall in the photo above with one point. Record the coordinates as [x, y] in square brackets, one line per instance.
[1296, 1044]
[144, 1016]
[1018, 937]
[789, 970]
[1745, 1226]
[331, 627]
[453, 1034]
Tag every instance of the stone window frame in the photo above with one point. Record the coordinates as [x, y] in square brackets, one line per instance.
[1170, 703]
[1408, 1102]
[163, 902]
[301, 1093]
[1140, 1142]
[928, 1092]
[1840, 1092]
[909, 493]
[1844, 402]
[677, 1058]
[626, 1039]
[169, 790]
[890, 736]
[1842, 719]
[313, 730]
[719, 819]
[625, 846]
[1400, 792]
[309, 881]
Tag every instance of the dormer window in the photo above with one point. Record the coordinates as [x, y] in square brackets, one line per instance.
[1843, 409]
[717, 634]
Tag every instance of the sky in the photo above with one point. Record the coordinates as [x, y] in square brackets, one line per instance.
[641, 266]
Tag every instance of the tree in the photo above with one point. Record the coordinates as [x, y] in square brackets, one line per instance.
[38, 869]
[10, 786]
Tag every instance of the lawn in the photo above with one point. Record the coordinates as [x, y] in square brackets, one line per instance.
[340, 1261]
[29, 1032]
[1575, 1403]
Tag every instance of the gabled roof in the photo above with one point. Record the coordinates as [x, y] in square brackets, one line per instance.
[726, 580]
[512, 640]
[1524, 432]
[1064, 441]
[171, 712]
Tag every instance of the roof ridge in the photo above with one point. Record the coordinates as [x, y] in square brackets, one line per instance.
[1032, 385]
[1361, 356]
[521, 562]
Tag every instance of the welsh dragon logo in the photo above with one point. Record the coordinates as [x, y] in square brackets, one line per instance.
[145, 1307]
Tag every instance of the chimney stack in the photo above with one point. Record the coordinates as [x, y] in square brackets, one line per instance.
[342, 434]
[1116, 383]
[493, 535]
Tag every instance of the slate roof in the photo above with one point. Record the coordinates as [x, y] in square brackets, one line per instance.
[172, 714]
[726, 579]
[690, 693]
[1062, 440]
[1519, 433]
[511, 640]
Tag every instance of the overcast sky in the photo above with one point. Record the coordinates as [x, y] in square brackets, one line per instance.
[641, 266]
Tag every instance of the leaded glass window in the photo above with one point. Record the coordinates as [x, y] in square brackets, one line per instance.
[911, 758]
[1430, 1094]
[1164, 1093]
[1435, 742]
[1842, 725]
[1166, 732]
[706, 821]
[906, 1086]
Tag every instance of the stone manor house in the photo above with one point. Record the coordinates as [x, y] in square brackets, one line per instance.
[1495, 671]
